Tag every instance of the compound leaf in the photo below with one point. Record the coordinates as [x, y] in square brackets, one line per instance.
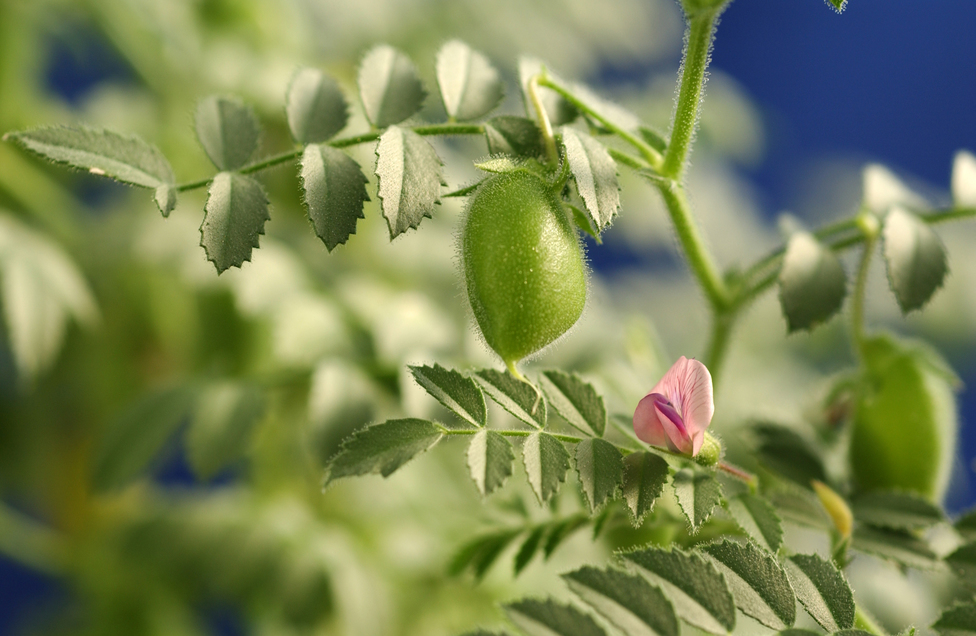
[758, 518]
[896, 510]
[510, 135]
[519, 398]
[958, 620]
[549, 618]
[644, 477]
[600, 467]
[457, 392]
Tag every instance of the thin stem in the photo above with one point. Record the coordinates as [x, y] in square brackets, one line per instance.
[719, 343]
[30, 543]
[627, 160]
[739, 473]
[701, 30]
[825, 232]
[552, 153]
[870, 227]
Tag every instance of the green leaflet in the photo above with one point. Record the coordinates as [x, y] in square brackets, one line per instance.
[958, 620]
[758, 583]
[490, 460]
[480, 553]
[897, 546]
[519, 398]
[758, 518]
[315, 106]
[548, 618]
[698, 492]
[645, 474]
[517, 136]
[382, 448]
[896, 510]
[546, 464]
[335, 191]
[600, 468]
[223, 419]
[963, 563]
[228, 130]
[457, 392]
[409, 174]
[560, 531]
[389, 86]
[822, 589]
[916, 259]
[528, 548]
[629, 602]
[237, 208]
[165, 198]
[470, 85]
[789, 454]
[812, 283]
[575, 400]
[595, 174]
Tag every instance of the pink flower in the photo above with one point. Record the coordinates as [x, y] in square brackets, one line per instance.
[675, 414]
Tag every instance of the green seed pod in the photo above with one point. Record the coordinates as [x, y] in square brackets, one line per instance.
[523, 265]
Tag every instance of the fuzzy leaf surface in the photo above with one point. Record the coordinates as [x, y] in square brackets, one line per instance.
[490, 460]
[600, 467]
[546, 464]
[517, 136]
[409, 174]
[228, 130]
[335, 192]
[698, 492]
[225, 415]
[519, 398]
[165, 198]
[812, 283]
[628, 601]
[644, 477]
[315, 107]
[457, 392]
[549, 618]
[576, 401]
[758, 583]
[382, 448]
[237, 208]
[916, 259]
[822, 589]
[595, 173]
[758, 518]
[470, 86]
[389, 86]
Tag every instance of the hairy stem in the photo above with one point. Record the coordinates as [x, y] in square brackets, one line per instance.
[718, 345]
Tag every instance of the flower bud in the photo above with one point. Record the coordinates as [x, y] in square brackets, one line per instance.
[836, 508]
[711, 451]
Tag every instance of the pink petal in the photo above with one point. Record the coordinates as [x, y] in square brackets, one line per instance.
[697, 402]
[647, 425]
[678, 439]
[670, 385]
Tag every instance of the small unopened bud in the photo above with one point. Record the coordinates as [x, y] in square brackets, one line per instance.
[711, 451]
[836, 508]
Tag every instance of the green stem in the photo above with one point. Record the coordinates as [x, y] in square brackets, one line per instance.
[718, 346]
[30, 543]
[863, 620]
[627, 160]
[870, 227]
[552, 153]
[701, 30]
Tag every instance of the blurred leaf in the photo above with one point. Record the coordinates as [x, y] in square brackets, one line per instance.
[516, 136]
[228, 130]
[916, 259]
[237, 208]
[963, 562]
[548, 618]
[758, 518]
[459, 393]
[595, 174]
[382, 448]
[575, 400]
[964, 180]
[389, 86]
[519, 398]
[758, 583]
[134, 439]
[800, 506]
[893, 545]
[789, 454]
[584, 223]
[470, 85]
[601, 470]
[883, 190]
[559, 110]
[644, 477]
[165, 199]
[409, 173]
[220, 431]
[490, 460]
[812, 283]
[335, 190]
[315, 106]
[546, 464]
[958, 620]
[561, 531]
[698, 492]
[654, 139]
[528, 548]
[966, 525]
[629, 602]
[608, 110]
[480, 553]
[697, 590]
[822, 589]
[125, 158]
[896, 510]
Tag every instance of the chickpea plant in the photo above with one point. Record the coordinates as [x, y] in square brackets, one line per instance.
[547, 179]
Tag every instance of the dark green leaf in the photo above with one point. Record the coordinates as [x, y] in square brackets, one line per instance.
[516, 136]
[644, 477]
[519, 398]
[788, 453]
[958, 620]
[470, 85]
[577, 401]
[758, 583]
[966, 525]
[165, 198]
[963, 563]
[896, 510]
[480, 553]
[698, 492]
[224, 417]
[897, 546]
[559, 110]
[653, 138]
[758, 518]
[595, 174]
[459, 393]
[546, 464]
[335, 191]
[601, 470]
[409, 173]
[548, 618]
[389, 86]
[315, 106]
[125, 158]
[134, 439]
[822, 590]
[838, 5]
[528, 549]
[382, 448]
[228, 130]
[633, 605]
[916, 259]
[584, 223]
[697, 590]
[800, 506]
[237, 208]
[561, 531]
[490, 460]
[812, 283]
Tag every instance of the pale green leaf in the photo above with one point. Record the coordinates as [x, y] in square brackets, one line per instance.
[519, 398]
[335, 191]
[125, 158]
[812, 283]
[165, 198]
[883, 190]
[610, 111]
[459, 393]
[237, 208]
[499, 165]
[601, 470]
[490, 460]
[517, 136]
[916, 259]
[758, 583]
[315, 106]
[220, 431]
[228, 130]
[897, 546]
[389, 86]
[528, 548]
[546, 464]
[696, 588]
[548, 618]
[577, 401]
[409, 174]
[629, 602]
[595, 174]
[896, 510]
[382, 448]
[758, 518]
[964, 180]
[644, 477]
[698, 492]
[822, 589]
[470, 85]
[958, 620]
[559, 110]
